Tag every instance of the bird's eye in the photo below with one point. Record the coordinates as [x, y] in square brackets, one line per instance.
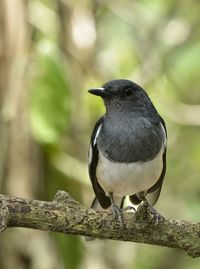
[128, 91]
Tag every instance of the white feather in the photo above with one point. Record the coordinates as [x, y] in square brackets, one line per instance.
[97, 133]
[93, 143]
[90, 155]
[164, 132]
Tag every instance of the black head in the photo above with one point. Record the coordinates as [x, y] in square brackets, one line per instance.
[121, 92]
[126, 89]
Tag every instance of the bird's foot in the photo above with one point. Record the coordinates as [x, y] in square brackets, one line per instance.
[129, 208]
[118, 215]
[156, 216]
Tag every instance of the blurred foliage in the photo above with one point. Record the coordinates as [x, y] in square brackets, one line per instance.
[76, 45]
[50, 99]
[71, 250]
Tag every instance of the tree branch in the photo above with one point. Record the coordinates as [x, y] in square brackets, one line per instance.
[66, 215]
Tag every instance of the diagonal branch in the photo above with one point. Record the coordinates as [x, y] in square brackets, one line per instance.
[66, 215]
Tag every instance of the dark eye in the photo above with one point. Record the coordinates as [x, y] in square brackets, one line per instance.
[128, 91]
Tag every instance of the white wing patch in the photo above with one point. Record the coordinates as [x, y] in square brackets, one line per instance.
[97, 133]
[90, 155]
[165, 140]
[92, 144]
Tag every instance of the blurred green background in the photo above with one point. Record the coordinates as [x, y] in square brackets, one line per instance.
[51, 52]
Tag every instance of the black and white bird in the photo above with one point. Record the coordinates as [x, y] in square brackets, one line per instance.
[127, 154]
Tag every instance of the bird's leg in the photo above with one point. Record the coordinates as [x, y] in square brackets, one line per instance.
[156, 216]
[122, 202]
[117, 211]
[127, 208]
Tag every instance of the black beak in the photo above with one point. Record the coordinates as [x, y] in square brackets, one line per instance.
[99, 92]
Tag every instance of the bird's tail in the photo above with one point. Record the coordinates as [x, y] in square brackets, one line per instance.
[119, 201]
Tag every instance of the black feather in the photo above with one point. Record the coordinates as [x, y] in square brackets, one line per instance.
[103, 199]
[134, 199]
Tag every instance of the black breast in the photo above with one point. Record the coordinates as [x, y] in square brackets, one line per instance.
[131, 140]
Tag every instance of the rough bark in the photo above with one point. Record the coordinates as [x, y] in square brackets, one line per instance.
[66, 215]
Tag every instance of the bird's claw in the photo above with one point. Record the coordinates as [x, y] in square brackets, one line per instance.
[129, 208]
[156, 216]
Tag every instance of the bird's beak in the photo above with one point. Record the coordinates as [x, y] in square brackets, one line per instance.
[99, 92]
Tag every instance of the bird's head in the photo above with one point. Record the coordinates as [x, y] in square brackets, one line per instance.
[121, 94]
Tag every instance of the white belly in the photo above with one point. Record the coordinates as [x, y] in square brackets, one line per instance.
[127, 179]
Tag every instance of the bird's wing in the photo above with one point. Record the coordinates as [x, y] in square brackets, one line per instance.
[93, 157]
[154, 192]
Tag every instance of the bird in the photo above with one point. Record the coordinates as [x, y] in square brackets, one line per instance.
[127, 152]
